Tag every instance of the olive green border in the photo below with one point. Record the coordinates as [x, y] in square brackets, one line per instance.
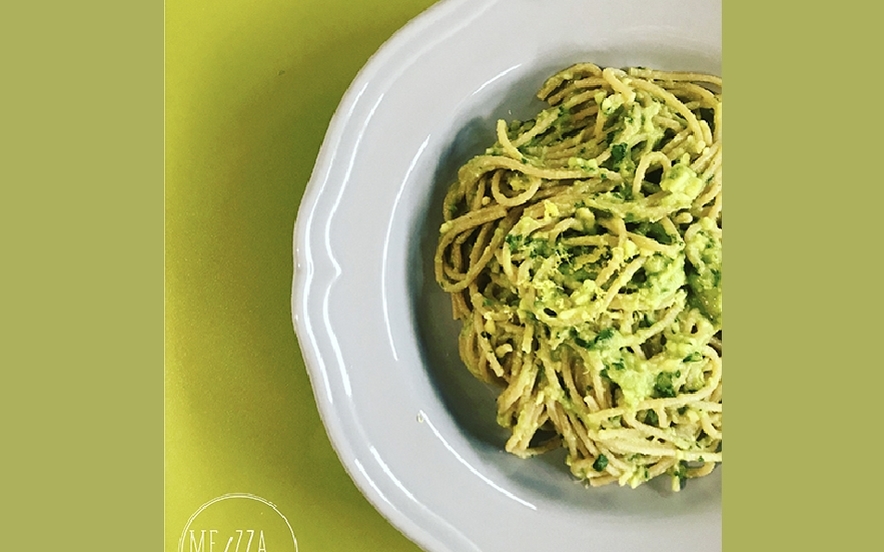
[802, 293]
[81, 174]
[737, 65]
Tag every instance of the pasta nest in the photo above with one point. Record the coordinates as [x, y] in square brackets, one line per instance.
[583, 252]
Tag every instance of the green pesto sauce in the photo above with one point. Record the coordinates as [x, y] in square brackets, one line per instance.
[555, 282]
[703, 252]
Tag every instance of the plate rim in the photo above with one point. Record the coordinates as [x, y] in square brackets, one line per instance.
[341, 441]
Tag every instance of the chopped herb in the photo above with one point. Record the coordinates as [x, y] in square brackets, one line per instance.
[663, 387]
[514, 241]
[693, 357]
[600, 463]
[651, 418]
[681, 472]
[618, 152]
[600, 338]
[540, 248]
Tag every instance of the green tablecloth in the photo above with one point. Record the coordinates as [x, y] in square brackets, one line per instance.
[250, 89]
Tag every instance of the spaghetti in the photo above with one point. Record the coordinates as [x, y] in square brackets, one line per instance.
[582, 253]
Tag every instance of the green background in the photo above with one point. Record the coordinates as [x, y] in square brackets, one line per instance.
[250, 90]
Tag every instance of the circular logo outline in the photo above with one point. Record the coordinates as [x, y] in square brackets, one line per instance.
[229, 496]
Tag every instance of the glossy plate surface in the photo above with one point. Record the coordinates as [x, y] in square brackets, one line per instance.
[411, 426]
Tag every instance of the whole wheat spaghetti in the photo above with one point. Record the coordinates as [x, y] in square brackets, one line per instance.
[583, 255]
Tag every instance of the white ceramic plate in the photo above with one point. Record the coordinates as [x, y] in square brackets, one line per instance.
[413, 429]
